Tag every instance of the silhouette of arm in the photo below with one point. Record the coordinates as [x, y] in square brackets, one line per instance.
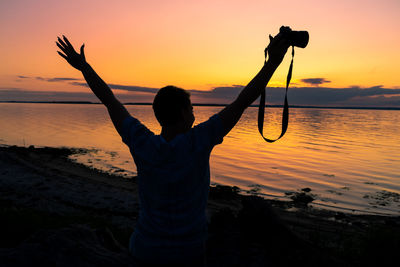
[103, 92]
[231, 114]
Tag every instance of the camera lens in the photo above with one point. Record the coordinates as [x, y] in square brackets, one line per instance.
[299, 38]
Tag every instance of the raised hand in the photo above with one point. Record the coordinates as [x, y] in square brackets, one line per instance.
[277, 48]
[76, 60]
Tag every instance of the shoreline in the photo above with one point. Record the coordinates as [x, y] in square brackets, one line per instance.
[43, 188]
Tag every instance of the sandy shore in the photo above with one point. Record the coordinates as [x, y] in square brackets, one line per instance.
[57, 212]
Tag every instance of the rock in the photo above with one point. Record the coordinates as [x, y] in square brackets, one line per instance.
[301, 198]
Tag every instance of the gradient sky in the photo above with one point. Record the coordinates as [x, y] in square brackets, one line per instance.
[200, 45]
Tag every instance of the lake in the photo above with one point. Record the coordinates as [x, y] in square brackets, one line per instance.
[349, 158]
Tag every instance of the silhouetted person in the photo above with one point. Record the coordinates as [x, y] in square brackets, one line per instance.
[173, 167]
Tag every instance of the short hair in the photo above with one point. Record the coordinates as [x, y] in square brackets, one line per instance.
[169, 103]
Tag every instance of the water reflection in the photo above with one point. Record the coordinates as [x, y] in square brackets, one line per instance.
[324, 149]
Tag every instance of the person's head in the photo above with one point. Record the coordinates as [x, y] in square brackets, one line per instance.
[172, 107]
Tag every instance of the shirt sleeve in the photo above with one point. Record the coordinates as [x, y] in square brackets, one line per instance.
[210, 132]
[134, 132]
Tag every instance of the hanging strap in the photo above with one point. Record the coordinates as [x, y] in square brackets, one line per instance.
[285, 115]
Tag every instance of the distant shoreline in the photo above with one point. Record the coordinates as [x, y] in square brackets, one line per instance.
[198, 104]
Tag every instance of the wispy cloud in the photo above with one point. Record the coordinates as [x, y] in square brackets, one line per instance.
[79, 84]
[57, 79]
[132, 88]
[52, 79]
[129, 88]
[315, 81]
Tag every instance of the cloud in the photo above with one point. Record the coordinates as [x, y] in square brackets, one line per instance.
[129, 88]
[54, 79]
[79, 84]
[11, 89]
[218, 95]
[325, 96]
[57, 79]
[315, 81]
[309, 96]
[354, 96]
[132, 88]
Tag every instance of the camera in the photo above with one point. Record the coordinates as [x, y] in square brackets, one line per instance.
[295, 38]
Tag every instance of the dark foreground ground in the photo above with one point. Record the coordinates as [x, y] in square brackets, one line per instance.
[54, 212]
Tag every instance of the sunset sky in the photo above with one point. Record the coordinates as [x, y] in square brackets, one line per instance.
[214, 46]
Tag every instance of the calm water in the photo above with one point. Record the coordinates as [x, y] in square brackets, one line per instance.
[349, 158]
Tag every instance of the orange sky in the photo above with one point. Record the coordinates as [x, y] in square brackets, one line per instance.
[198, 44]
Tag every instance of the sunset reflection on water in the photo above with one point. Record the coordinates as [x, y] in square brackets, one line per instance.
[346, 157]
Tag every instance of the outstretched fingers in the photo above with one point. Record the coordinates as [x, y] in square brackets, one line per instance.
[68, 48]
[61, 47]
[67, 42]
[62, 43]
[61, 54]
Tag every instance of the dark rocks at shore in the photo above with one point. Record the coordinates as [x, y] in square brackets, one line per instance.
[301, 198]
[224, 192]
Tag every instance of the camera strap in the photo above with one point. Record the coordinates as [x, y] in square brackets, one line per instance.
[285, 114]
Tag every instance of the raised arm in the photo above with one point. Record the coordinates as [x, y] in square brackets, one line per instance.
[115, 109]
[231, 114]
